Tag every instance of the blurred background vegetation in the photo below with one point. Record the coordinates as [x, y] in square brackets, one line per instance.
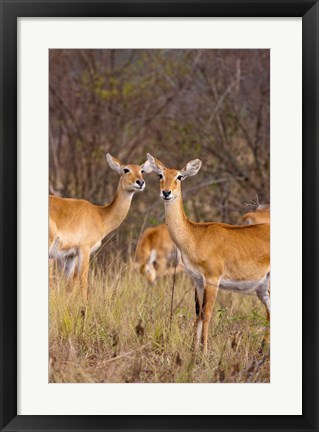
[177, 105]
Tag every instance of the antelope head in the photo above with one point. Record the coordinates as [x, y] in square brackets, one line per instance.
[171, 179]
[131, 175]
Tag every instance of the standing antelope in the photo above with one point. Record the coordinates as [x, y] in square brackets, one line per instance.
[260, 215]
[156, 252]
[216, 255]
[77, 227]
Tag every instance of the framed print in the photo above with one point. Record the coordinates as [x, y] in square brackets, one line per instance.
[164, 133]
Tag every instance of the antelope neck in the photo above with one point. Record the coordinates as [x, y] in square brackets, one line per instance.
[178, 225]
[115, 212]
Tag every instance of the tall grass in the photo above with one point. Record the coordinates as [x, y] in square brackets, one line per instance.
[125, 335]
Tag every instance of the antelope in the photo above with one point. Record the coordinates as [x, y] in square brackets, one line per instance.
[77, 227]
[216, 255]
[260, 215]
[156, 252]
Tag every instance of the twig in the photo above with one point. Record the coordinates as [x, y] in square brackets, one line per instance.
[172, 298]
[254, 366]
[122, 355]
[180, 302]
[211, 182]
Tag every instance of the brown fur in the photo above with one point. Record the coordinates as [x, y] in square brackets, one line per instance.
[156, 239]
[211, 251]
[80, 226]
[260, 215]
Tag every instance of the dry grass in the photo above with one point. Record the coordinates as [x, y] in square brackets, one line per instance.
[126, 335]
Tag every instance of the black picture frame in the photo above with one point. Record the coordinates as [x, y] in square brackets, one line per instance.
[10, 11]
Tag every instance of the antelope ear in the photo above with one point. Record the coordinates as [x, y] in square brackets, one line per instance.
[114, 163]
[147, 167]
[156, 165]
[191, 168]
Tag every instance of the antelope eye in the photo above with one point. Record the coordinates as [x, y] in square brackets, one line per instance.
[160, 176]
[142, 171]
[126, 170]
[180, 178]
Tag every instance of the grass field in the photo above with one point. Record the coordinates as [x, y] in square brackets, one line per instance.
[126, 335]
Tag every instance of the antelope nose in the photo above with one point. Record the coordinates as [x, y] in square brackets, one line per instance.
[166, 194]
[140, 183]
